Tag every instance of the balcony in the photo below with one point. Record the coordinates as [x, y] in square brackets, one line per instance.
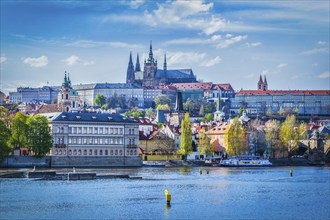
[131, 146]
[60, 145]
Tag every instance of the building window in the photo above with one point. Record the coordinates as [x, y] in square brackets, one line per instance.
[120, 141]
[121, 131]
[74, 130]
[90, 130]
[101, 141]
[116, 130]
[106, 141]
[101, 152]
[101, 130]
[74, 152]
[74, 140]
[111, 140]
[120, 152]
[106, 152]
[79, 140]
[66, 96]
[85, 140]
[111, 152]
[85, 130]
[79, 152]
[111, 130]
[95, 130]
[95, 152]
[106, 130]
[90, 152]
[90, 140]
[116, 152]
[85, 152]
[95, 140]
[70, 152]
[79, 130]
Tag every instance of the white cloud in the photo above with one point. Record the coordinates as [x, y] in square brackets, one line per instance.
[324, 75]
[211, 62]
[71, 60]
[264, 72]
[136, 3]
[250, 75]
[36, 62]
[295, 77]
[3, 58]
[315, 64]
[184, 57]
[214, 39]
[315, 51]
[231, 41]
[322, 43]
[255, 44]
[93, 44]
[88, 63]
[281, 65]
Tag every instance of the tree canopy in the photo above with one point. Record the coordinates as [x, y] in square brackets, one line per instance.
[186, 136]
[100, 100]
[39, 137]
[235, 138]
[20, 129]
[162, 100]
[204, 143]
[4, 140]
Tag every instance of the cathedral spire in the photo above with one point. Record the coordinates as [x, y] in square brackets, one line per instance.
[165, 64]
[260, 79]
[151, 58]
[130, 76]
[137, 65]
[265, 80]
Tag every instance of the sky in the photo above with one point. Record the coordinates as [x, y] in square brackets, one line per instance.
[221, 41]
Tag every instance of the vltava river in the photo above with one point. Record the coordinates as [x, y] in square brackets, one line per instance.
[224, 193]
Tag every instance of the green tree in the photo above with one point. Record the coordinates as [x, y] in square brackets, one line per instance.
[273, 136]
[296, 111]
[201, 110]
[20, 129]
[240, 110]
[163, 107]
[302, 131]
[100, 100]
[162, 99]
[209, 107]
[4, 141]
[150, 113]
[269, 112]
[135, 112]
[208, 117]
[39, 137]
[281, 111]
[235, 138]
[204, 143]
[186, 136]
[289, 134]
[5, 116]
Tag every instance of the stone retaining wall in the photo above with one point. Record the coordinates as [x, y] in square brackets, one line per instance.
[95, 161]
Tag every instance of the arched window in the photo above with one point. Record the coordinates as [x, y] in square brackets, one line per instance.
[66, 96]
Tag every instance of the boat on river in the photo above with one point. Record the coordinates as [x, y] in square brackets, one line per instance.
[245, 161]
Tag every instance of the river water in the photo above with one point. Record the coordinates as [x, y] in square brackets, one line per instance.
[224, 193]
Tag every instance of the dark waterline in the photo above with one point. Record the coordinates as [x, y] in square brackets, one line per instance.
[224, 193]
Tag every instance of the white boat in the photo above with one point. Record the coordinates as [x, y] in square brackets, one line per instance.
[245, 161]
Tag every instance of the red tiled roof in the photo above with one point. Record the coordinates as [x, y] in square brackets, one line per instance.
[192, 86]
[224, 86]
[283, 92]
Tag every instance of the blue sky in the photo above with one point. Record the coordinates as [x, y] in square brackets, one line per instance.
[222, 41]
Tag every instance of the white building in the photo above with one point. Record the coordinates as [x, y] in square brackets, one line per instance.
[93, 139]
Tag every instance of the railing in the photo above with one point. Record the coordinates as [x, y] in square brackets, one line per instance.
[131, 146]
[60, 145]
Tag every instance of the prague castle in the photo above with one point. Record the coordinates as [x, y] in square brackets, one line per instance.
[152, 76]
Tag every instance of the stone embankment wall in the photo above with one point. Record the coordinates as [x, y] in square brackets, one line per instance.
[74, 161]
[25, 161]
[95, 161]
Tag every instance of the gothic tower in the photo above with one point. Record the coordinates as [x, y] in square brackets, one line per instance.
[137, 65]
[265, 84]
[260, 83]
[150, 69]
[64, 99]
[165, 64]
[130, 76]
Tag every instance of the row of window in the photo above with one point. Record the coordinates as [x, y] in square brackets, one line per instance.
[95, 140]
[95, 152]
[95, 130]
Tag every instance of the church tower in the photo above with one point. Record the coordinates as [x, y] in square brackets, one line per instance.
[150, 69]
[68, 97]
[260, 84]
[137, 65]
[130, 76]
[265, 84]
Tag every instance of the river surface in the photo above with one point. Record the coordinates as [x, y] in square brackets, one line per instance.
[224, 193]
